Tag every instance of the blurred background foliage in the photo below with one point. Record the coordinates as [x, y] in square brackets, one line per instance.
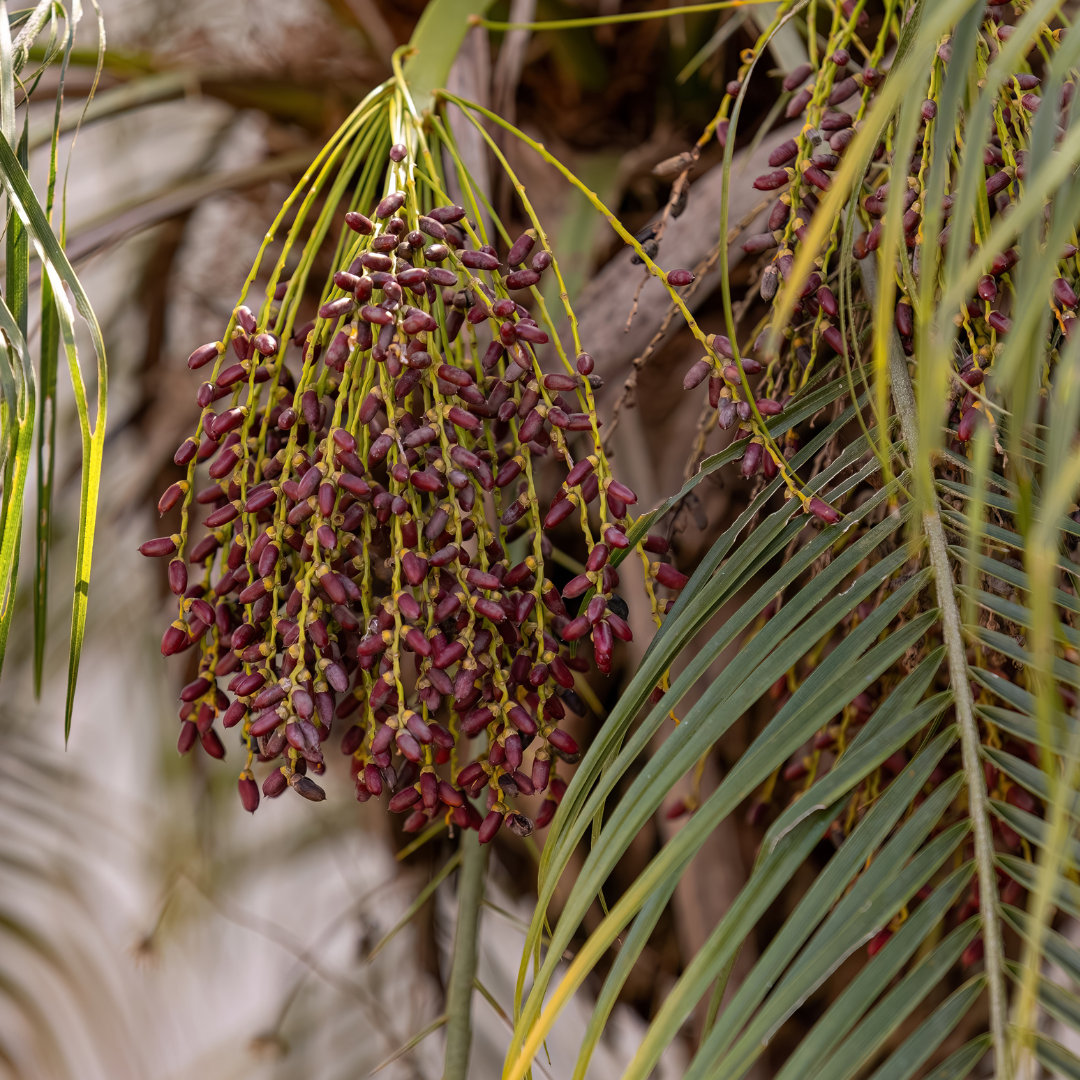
[149, 928]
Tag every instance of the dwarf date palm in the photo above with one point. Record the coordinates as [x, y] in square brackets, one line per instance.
[899, 379]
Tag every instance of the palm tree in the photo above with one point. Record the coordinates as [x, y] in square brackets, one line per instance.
[898, 588]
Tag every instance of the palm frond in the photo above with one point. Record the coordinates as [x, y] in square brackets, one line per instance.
[29, 222]
[994, 778]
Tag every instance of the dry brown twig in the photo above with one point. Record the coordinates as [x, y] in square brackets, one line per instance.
[678, 193]
[700, 270]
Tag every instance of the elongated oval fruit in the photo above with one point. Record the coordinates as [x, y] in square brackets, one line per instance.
[532, 334]
[266, 344]
[798, 75]
[520, 249]
[751, 461]
[359, 224]
[658, 545]
[998, 182]
[203, 355]
[563, 742]
[823, 511]
[223, 516]
[274, 784]
[835, 121]
[785, 152]
[490, 826]
[834, 339]
[668, 576]
[843, 90]
[374, 313]
[163, 545]
[435, 229]
[447, 215]
[839, 141]
[172, 495]
[723, 346]
[333, 309]
[249, 793]
[522, 279]
[479, 260]
[178, 577]
[759, 242]
[391, 204]
[403, 800]
[1064, 293]
[230, 376]
[1003, 261]
[578, 473]
[798, 103]
[772, 180]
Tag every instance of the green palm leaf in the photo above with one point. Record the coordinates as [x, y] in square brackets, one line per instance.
[28, 223]
[1056, 1058]
[898, 1003]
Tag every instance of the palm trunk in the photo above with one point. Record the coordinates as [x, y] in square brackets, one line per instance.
[463, 969]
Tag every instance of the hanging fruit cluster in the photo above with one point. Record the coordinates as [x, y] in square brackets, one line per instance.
[373, 550]
[831, 97]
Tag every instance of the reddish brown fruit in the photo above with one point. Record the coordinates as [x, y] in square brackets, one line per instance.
[823, 511]
[249, 793]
